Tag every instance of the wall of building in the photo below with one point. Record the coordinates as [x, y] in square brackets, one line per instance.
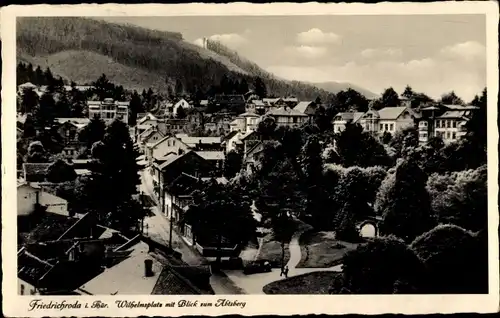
[27, 196]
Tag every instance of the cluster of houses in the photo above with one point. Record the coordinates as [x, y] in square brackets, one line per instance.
[445, 121]
[54, 242]
[40, 90]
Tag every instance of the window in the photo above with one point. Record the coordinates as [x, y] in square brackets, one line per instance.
[448, 124]
[454, 122]
[22, 289]
[447, 135]
[381, 126]
[392, 127]
[454, 135]
[386, 127]
[424, 135]
[294, 120]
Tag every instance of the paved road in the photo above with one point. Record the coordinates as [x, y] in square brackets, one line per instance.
[158, 228]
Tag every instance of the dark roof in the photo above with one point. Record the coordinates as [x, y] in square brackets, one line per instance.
[54, 227]
[230, 135]
[172, 283]
[50, 227]
[31, 268]
[32, 169]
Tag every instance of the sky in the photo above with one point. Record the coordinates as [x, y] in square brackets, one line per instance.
[432, 53]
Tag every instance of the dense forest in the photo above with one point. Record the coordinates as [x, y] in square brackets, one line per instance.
[164, 55]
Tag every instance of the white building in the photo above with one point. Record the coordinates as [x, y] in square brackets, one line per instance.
[108, 110]
[28, 196]
[246, 122]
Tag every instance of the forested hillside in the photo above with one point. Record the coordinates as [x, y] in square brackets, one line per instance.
[81, 49]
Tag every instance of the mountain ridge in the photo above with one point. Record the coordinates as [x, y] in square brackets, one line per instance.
[81, 49]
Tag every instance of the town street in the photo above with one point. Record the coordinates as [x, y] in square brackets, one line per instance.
[157, 227]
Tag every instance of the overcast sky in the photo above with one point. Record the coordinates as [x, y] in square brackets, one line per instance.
[432, 53]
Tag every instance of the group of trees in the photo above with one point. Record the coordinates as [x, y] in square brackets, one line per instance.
[421, 193]
[110, 190]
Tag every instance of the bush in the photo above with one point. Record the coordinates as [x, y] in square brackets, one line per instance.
[385, 265]
[456, 260]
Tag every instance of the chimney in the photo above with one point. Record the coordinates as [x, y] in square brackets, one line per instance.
[148, 268]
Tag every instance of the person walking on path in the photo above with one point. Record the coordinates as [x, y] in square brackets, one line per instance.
[285, 272]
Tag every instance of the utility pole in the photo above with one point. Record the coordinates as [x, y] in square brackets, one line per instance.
[171, 222]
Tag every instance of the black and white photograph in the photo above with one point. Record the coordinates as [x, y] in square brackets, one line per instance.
[252, 155]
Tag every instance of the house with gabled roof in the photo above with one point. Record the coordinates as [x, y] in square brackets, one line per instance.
[446, 121]
[286, 116]
[167, 168]
[388, 119]
[149, 271]
[341, 119]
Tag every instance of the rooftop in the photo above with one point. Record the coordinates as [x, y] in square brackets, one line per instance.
[355, 116]
[200, 140]
[285, 111]
[31, 169]
[388, 113]
[211, 155]
[302, 106]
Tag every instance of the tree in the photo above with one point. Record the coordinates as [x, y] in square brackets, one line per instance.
[178, 87]
[103, 88]
[220, 213]
[461, 198]
[351, 99]
[313, 173]
[181, 113]
[29, 101]
[232, 164]
[449, 251]
[476, 137]
[386, 138]
[420, 99]
[29, 130]
[115, 172]
[451, 99]
[63, 108]
[49, 78]
[356, 147]
[390, 98]
[243, 87]
[260, 88]
[45, 113]
[60, 171]
[404, 140]
[135, 108]
[93, 132]
[384, 265]
[408, 93]
[404, 202]
[266, 128]
[36, 153]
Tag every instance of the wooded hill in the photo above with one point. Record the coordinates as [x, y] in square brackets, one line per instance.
[81, 49]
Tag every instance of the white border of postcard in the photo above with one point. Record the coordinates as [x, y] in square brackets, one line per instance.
[15, 305]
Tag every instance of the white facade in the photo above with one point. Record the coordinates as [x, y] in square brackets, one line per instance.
[450, 129]
[182, 103]
[27, 197]
[108, 110]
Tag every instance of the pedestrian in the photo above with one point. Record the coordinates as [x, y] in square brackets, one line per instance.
[282, 271]
[286, 272]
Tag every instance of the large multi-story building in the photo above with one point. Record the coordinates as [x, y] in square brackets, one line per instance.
[108, 110]
[445, 121]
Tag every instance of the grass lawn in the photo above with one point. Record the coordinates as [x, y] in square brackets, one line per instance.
[271, 247]
[321, 249]
[311, 283]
